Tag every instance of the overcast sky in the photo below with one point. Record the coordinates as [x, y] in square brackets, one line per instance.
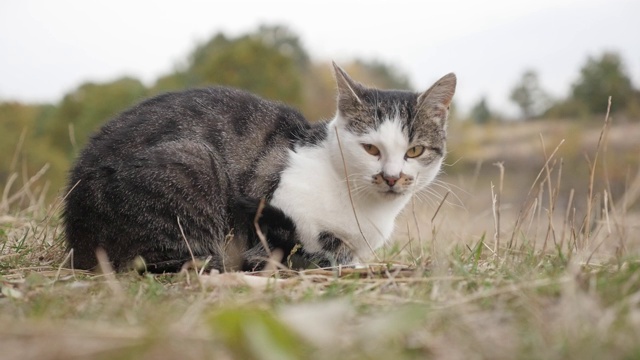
[49, 47]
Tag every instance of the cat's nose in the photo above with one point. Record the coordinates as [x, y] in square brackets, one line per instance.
[390, 180]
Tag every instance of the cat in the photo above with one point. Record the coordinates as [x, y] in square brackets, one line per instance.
[185, 175]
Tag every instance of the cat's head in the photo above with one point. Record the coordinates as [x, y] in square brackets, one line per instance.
[393, 142]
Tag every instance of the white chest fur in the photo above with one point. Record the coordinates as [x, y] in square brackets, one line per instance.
[314, 193]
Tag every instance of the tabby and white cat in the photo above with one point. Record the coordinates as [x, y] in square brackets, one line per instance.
[181, 175]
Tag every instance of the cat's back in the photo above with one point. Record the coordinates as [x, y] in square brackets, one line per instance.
[220, 115]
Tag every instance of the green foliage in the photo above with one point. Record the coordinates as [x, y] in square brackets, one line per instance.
[600, 78]
[252, 65]
[267, 62]
[568, 109]
[256, 334]
[286, 42]
[529, 96]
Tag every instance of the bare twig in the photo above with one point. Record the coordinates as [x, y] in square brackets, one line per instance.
[16, 154]
[566, 220]
[444, 198]
[72, 137]
[4, 204]
[256, 224]
[415, 221]
[109, 274]
[552, 197]
[184, 237]
[496, 209]
[587, 228]
[353, 207]
[64, 261]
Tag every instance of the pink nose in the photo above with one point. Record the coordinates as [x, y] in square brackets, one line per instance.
[390, 180]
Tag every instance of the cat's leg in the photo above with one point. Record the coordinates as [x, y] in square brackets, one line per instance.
[277, 230]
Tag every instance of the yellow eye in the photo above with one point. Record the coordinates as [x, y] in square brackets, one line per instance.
[371, 149]
[415, 151]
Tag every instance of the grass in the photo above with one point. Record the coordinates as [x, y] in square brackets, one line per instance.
[543, 278]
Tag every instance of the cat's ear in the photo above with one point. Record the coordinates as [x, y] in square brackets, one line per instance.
[434, 103]
[349, 90]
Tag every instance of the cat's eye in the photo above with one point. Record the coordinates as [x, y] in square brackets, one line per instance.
[371, 149]
[415, 151]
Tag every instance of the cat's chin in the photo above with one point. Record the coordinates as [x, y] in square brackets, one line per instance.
[393, 194]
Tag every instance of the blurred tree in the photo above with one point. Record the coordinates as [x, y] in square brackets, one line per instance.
[285, 41]
[251, 65]
[568, 109]
[529, 96]
[600, 78]
[268, 62]
[480, 112]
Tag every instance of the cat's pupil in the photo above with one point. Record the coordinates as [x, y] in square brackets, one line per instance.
[415, 151]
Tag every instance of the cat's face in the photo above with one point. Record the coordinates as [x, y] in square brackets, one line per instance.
[393, 142]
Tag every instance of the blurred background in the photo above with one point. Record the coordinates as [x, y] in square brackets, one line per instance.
[531, 74]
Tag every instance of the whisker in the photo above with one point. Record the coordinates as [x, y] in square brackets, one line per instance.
[450, 185]
[425, 196]
[439, 197]
[446, 187]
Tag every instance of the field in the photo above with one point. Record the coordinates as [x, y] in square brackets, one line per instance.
[528, 247]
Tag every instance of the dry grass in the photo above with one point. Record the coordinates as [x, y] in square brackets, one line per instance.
[472, 275]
